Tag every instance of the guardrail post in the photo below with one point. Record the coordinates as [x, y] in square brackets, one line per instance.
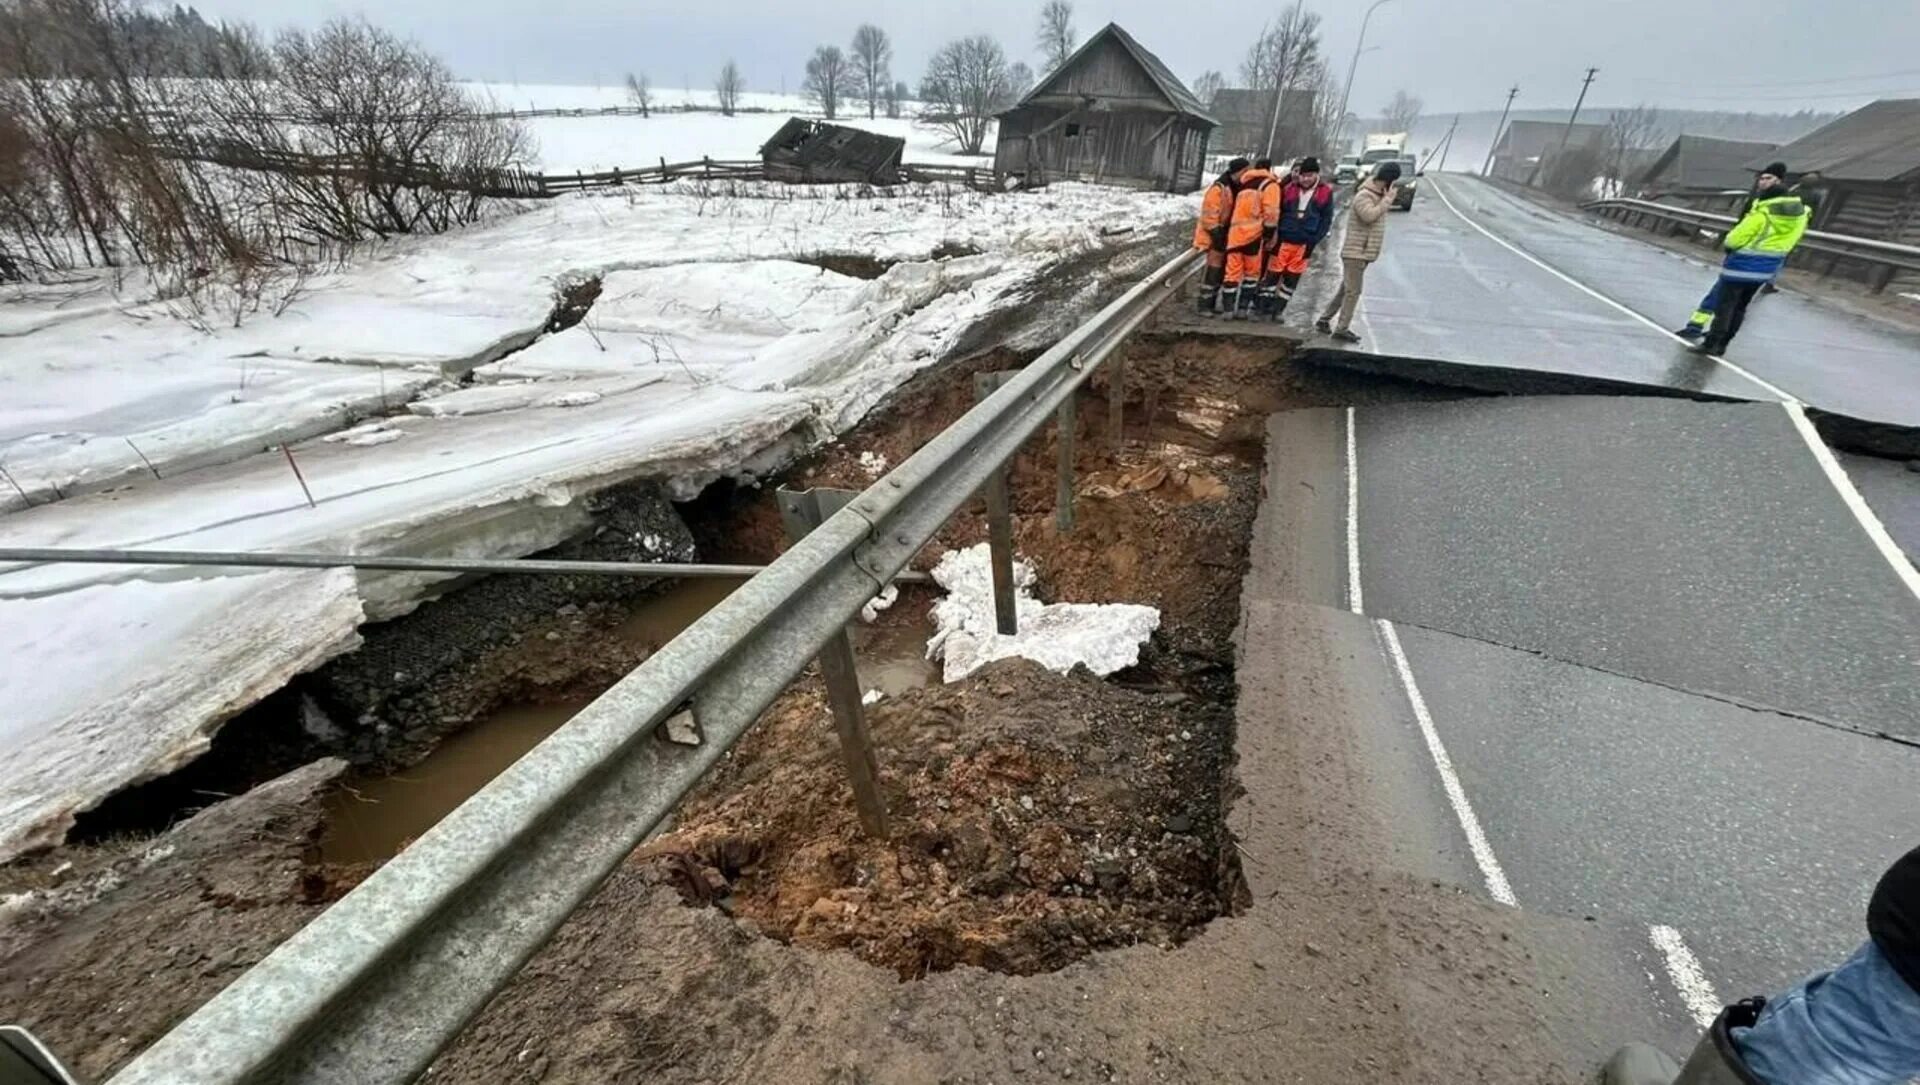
[1063, 496]
[801, 511]
[1006, 614]
[1116, 402]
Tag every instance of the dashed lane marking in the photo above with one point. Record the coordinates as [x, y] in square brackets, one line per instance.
[1683, 969]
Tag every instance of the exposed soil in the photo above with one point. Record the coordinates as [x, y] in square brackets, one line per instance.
[112, 944]
[1037, 819]
[572, 302]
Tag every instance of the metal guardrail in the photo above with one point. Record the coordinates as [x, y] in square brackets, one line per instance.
[374, 987]
[1885, 255]
[283, 559]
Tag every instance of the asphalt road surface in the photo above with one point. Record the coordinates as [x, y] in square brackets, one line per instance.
[1530, 554]
[1696, 545]
[1655, 669]
[1474, 275]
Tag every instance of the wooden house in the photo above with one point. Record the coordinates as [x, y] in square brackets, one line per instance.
[1112, 114]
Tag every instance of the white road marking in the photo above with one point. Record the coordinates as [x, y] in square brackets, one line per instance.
[1495, 877]
[1523, 254]
[1683, 968]
[1857, 504]
[1354, 598]
[1796, 410]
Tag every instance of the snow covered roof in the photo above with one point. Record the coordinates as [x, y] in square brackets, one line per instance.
[1175, 92]
[1878, 142]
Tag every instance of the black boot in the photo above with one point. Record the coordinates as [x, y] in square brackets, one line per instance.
[1715, 1061]
[1209, 300]
[1229, 301]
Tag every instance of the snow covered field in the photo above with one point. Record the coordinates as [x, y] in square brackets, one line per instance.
[594, 144]
[713, 350]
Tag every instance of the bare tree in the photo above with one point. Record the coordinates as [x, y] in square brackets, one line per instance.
[828, 74]
[1210, 84]
[965, 85]
[1056, 36]
[1019, 80]
[1628, 131]
[897, 97]
[1571, 174]
[729, 87]
[872, 67]
[1401, 112]
[640, 92]
[1286, 57]
[1329, 126]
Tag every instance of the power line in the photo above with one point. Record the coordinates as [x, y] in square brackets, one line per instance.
[1796, 97]
[1789, 82]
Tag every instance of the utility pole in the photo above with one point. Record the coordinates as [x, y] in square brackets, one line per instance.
[1487, 167]
[1346, 93]
[1566, 134]
[1446, 143]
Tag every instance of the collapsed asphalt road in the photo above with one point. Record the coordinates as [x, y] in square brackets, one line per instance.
[1480, 278]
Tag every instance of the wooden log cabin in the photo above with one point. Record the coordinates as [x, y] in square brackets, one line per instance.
[1112, 114]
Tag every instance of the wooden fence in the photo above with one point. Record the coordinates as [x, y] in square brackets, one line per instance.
[524, 184]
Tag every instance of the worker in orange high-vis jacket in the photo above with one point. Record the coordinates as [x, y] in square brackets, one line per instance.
[1210, 235]
[1246, 238]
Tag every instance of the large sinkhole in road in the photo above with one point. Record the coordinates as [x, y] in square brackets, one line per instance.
[1037, 818]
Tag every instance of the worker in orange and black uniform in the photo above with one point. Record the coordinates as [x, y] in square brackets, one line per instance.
[1246, 237]
[1210, 235]
[1305, 215]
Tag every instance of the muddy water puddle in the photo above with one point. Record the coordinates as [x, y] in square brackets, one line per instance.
[371, 818]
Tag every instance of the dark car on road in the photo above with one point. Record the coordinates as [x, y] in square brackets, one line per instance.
[1407, 186]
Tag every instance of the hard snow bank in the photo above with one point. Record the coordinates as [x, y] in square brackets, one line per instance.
[1102, 637]
[88, 388]
[711, 353]
[179, 657]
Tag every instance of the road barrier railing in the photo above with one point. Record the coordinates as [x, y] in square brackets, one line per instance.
[374, 987]
[1883, 258]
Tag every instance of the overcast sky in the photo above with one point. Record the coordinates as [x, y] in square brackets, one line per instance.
[1764, 55]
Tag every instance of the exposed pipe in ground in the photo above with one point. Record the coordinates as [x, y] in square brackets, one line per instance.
[661, 569]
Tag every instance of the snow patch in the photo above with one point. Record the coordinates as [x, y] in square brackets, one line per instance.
[569, 399]
[367, 434]
[889, 595]
[1103, 637]
[873, 463]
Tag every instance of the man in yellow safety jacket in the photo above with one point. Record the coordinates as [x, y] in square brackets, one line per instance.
[1757, 250]
[1210, 234]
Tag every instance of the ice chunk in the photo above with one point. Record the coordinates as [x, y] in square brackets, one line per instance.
[1103, 637]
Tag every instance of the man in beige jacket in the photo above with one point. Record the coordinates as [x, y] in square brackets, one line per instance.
[1366, 232]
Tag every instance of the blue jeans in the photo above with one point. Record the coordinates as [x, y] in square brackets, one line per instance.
[1856, 1025]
